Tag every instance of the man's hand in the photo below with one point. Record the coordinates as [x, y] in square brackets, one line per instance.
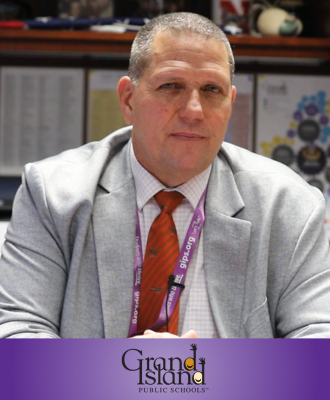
[148, 334]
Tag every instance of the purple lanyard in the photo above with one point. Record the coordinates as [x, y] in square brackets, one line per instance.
[179, 274]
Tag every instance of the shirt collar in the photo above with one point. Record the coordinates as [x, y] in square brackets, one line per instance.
[147, 185]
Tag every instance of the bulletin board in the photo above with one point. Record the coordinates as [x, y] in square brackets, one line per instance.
[293, 126]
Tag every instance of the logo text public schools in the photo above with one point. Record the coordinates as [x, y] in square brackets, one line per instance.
[161, 371]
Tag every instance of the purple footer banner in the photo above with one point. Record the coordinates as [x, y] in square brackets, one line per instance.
[174, 368]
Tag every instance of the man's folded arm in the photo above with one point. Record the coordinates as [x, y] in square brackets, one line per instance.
[32, 269]
[304, 307]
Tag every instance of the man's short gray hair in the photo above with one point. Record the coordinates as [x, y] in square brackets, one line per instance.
[140, 58]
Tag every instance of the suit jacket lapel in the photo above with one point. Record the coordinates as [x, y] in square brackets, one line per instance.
[226, 244]
[114, 230]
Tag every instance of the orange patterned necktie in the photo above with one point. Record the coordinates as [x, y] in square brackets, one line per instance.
[162, 252]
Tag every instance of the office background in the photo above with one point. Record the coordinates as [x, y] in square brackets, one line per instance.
[58, 84]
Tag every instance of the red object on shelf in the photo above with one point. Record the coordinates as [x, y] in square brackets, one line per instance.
[12, 24]
[235, 12]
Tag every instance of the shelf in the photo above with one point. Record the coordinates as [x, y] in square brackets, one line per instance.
[283, 47]
[65, 41]
[85, 42]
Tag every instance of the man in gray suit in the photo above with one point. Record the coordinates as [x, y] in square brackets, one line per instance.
[261, 265]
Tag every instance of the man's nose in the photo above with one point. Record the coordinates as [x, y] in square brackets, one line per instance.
[191, 107]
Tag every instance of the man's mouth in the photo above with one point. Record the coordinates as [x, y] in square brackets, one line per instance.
[187, 136]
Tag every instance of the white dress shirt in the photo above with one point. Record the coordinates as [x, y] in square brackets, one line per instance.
[195, 311]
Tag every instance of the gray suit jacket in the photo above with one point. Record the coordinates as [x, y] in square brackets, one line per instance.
[67, 265]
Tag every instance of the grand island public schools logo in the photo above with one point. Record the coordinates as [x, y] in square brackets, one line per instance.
[154, 373]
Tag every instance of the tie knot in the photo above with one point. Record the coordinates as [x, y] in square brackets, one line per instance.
[168, 201]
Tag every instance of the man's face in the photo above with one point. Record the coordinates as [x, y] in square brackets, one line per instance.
[181, 106]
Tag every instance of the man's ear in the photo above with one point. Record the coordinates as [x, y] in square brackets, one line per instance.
[125, 90]
[233, 94]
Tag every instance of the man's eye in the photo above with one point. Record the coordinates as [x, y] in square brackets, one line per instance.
[212, 89]
[168, 86]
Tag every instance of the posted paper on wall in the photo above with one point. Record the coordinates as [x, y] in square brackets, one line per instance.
[240, 126]
[293, 126]
[41, 114]
[104, 115]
